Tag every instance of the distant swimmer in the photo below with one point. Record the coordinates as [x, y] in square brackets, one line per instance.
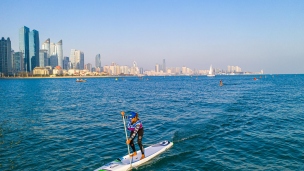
[221, 83]
[254, 78]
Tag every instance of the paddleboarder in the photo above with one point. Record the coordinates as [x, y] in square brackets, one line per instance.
[136, 128]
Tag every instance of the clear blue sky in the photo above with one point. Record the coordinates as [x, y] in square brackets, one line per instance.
[255, 35]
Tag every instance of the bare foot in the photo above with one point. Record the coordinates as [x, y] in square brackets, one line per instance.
[134, 154]
[142, 156]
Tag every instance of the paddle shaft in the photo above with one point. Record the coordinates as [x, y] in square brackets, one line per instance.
[123, 118]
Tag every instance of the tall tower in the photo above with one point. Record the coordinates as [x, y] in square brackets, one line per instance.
[46, 46]
[73, 58]
[5, 56]
[52, 49]
[33, 50]
[59, 53]
[97, 61]
[24, 46]
[81, 60]
[164, 66]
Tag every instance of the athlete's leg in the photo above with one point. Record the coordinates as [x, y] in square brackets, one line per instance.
[139, 141]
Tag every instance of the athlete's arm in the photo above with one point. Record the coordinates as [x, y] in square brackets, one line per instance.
[135, 131]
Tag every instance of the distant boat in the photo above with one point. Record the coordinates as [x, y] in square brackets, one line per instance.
[211, 73]
[81, 80]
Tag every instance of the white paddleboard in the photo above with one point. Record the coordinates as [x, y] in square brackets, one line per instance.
[123, 163]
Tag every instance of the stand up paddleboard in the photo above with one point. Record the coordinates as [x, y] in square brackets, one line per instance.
[123, 163]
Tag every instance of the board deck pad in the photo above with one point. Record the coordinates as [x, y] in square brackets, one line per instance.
[123, 163]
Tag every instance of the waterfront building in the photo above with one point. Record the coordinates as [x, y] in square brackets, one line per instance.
[5, 57]
[233, 69]
[43, 58]
[81, 60]
[65, 63]
[46, 46]
[53, 61]
[97, 61]
[59, 53]
[33, 49]
[52, 49]
[156, 68]
[164, 66]
[57, 70]
[88, 67]
[17, 62]
[24, 46]
[77, 59]
[41, 71]
[184, 70]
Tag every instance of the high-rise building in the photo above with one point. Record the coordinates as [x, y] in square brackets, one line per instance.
[43, 58]
[52, 49]
[97, 61]
[156, 68]
[65, 63]
[46, 46]
[24, 46]
[164, 66]
[5, 56]
[81, 60]
[17, 62]
[53, 61]
[59, 53]
[88, 67]
[72, 58]
[33, 49]
[77, 59]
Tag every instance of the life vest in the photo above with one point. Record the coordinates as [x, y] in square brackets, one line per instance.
[131, 127]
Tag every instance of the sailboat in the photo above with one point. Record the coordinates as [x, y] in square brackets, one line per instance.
[211, 73]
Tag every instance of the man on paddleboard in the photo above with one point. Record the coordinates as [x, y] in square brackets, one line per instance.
[136, 128]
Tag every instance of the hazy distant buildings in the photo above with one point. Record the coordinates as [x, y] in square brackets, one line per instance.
[46, 45]
[156, 68]
[59, 53]
[54, 51]
[164, 66]
[97, 61]
[53, 61]
[88, 67]
[233, 69]
[77, 59]
[43, 58]
[5, 56]
[66, 63]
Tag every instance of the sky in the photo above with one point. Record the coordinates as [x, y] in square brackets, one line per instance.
[251, 34]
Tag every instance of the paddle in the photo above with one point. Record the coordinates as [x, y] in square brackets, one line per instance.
[123, 119]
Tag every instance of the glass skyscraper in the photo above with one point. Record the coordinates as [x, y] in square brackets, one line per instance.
[66, 63]
[33, 49]
[59, 53]
[5, 56]
[24, 46]
[97, 61]
[43, 58]
[18, 62]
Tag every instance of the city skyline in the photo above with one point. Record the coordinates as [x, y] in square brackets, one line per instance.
[254, 35]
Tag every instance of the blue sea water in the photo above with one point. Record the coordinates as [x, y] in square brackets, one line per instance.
[60, 124]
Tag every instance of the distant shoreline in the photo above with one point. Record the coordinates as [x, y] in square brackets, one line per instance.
[86, 77]
[74, 77]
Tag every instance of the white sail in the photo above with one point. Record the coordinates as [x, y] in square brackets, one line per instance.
[211, 73]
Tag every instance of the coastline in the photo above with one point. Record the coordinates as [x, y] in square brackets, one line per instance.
[75, 77]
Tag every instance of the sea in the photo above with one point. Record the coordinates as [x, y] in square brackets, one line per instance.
[246, 124]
